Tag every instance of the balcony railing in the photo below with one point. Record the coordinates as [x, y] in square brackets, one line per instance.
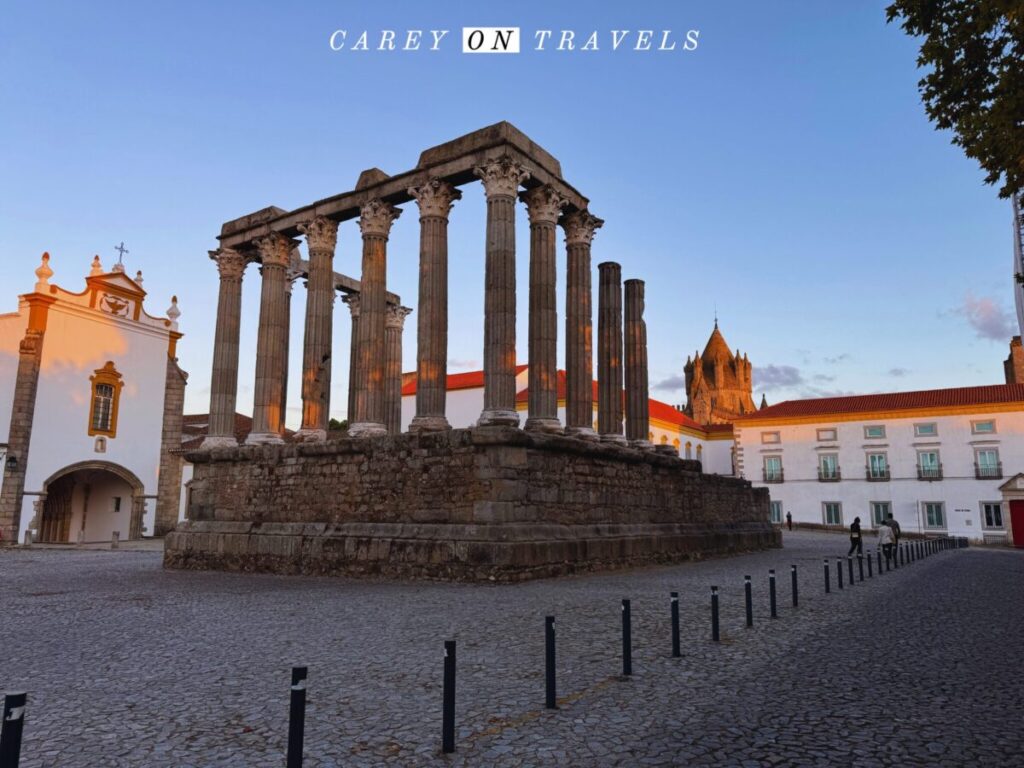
[877, 474]
[988, 472]
[929, 473]
[829, 475]
[773, 475]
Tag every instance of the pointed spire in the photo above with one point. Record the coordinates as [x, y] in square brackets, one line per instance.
[764, 400]
[43, 274]
[173, 313]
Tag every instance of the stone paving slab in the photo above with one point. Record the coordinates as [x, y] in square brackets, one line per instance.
[130, 665]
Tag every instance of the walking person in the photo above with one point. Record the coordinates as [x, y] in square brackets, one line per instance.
[789, 520]
[885, 539]
[896, 532]
[856, 542]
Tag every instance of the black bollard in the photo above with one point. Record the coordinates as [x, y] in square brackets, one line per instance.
[675, 625]
[828, 587]
[849, 565]
[750, 601]
[870, 561]
[860, 565]
[902, 561]
[714, 614]
[839, 573]
[792, 578]
[549, 663]
[297, 717]
[448, 707]
[627, 640]
[11, 728]
[771, 593]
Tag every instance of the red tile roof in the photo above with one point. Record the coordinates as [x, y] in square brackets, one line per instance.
[893, 401]
[468, 380]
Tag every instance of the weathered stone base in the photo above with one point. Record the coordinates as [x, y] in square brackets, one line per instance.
[481, 504]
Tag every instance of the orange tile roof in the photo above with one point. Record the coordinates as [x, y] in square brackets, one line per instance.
[892, 401]
[468, 380]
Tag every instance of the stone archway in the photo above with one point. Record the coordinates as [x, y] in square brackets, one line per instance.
[91, 499]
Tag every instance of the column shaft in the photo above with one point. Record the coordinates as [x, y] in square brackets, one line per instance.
[579, 374]
[224, 377]
[543, 205]
[637, 404]
[501, 179]
[321, 238]
[609, 352]
[271, 341]
[354, 377]
[370, 416]
[435, 201]
[393, 327]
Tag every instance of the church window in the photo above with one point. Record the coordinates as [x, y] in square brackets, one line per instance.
[874, 430]
[825, 435]
[700, 451]
[106, 393]
[771, 437]
[983, 427]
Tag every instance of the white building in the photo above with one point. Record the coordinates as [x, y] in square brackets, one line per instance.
[90, 406]
[711, 444]
[936, 460]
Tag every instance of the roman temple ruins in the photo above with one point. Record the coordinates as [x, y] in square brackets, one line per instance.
[497, 501]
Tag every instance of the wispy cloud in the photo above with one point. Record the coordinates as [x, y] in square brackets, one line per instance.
[823, 378]
[841, 358]
[988, 319]
[898, 372]
[672, 382]
[458, 366]
[772, 377]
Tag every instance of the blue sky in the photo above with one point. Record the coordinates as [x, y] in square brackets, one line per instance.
[784, 171]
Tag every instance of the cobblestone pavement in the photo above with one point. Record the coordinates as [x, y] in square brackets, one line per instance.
[129, 665]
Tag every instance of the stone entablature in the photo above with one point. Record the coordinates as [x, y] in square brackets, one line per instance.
[465, 504]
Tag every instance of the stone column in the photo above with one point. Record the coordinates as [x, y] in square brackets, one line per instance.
[352, 300]
[168, 487]
[271, 340]
[543, 205]
[291, 275]
[394, 323]
[579, 356]
[375, 221]
[435, 200]
[321, 237]
[501, 179]
[224, 379]
[609, 353]
[637, 405]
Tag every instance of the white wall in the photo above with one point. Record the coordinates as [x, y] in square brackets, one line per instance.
[802, 494]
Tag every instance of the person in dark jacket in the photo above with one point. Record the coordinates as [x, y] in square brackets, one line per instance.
[856, 542]
[789, 520]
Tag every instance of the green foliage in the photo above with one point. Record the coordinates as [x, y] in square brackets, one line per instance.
[334, 424]
[974, 50]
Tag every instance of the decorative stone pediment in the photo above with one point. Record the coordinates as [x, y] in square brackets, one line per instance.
[1015, 483]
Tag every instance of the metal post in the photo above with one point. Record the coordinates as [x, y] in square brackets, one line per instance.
[890, 557]
[900, 548]
[792, 578]
[828, 587]
[750, 600]
[860, 566]
[870, 574]
[879, 553]
[675, 625]
[297, 717]
[714, 614]
[839, 572]
[849, 565]
[627, 641]
[11, 728]
[549, 663]
[448, 708]
[771, 593]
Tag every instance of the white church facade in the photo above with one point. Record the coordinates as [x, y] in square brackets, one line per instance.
[91, 399]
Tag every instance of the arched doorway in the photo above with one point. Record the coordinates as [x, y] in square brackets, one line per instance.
[90, 500]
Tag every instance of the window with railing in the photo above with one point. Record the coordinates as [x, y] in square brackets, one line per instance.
[828, 468]
[928, 465]
[773, 469]
[986, 464]
[877, 467]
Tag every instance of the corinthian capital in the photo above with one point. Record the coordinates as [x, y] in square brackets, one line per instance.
[395, 316]
[580, 227]
[230, 263]
[543, 204]
[352, 300]
[502, 176]
[376, 218]
[275, 250]
[321, 233]
[435, 198]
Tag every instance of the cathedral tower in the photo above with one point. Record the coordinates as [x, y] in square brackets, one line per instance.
[718, 383]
